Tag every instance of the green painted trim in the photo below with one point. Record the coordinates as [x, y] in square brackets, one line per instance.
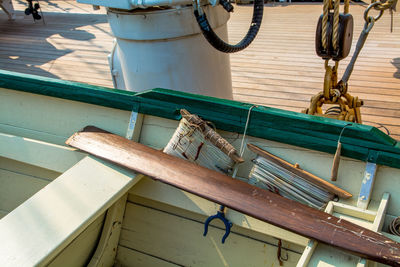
[293, 128]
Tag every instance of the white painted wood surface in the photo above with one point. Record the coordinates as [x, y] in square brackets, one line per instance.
[79, 251]
[107, 247]
[3, 213]
[130, 257]
[377, 226]
[19, 181]
[148, 188]
[53, 119]
[372, 220]
[312, 244]
[15, 188]
[38, 153]
[177, 238]
[45, 224]
[27, 169]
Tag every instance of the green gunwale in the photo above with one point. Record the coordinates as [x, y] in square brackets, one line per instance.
[358, 141]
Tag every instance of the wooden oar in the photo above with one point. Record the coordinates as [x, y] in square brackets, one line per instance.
[238, 195]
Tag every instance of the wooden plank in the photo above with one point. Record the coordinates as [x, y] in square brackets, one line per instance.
[47, 222]
[45, 155]
[312, 244]
[27, 169]
[168, 196]
[3, 213]
[17, 187]
[247, 228]
[380, 213]
[377, 223]
[79, 251]
[42, 120]
[353, 211]
[130, 257]
[240, 196]
[179, 239]
[107, 246]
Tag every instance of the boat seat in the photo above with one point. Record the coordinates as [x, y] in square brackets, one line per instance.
[323, 255]
[38, 230]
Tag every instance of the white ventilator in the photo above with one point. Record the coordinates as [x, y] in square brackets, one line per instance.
[164, 48]
[174, 44]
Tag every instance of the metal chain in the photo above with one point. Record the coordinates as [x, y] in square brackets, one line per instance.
[382, 6]
[336, 93]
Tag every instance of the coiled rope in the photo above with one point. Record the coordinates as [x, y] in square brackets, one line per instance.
[394, 227]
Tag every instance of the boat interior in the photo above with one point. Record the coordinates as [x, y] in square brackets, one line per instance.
[63, 207]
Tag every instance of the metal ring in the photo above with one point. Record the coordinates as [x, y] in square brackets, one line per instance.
[366, 17]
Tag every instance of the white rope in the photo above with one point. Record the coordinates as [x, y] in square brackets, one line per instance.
[245, 130]
[242, 146]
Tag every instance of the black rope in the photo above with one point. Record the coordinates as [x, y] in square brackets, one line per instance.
[222, 46]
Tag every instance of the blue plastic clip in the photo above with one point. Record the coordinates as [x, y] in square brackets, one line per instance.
[220, 215]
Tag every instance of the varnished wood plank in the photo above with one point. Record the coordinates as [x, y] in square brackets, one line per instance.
[238, 195]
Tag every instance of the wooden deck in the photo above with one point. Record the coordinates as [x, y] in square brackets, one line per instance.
[280, 69]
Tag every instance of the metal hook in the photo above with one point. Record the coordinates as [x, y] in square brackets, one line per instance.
[279, 253]
[220, 215]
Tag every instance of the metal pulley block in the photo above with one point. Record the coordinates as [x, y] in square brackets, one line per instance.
[344, 38]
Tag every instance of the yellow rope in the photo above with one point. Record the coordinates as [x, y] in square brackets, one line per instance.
[325, 23]
[335, 24]
[346, 6]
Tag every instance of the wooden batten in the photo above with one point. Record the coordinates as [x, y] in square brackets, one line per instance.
[302, 173]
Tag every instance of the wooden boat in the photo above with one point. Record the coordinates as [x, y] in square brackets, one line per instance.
[63, 207]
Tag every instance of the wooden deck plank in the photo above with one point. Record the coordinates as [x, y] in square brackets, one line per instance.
[279, 69]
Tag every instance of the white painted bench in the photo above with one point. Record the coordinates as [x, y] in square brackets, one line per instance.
[38, 230]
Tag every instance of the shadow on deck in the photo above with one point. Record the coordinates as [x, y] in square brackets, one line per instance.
[26, 46]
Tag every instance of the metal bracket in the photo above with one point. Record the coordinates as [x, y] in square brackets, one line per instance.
[134, 126]
[367, 185]
[220, 215]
